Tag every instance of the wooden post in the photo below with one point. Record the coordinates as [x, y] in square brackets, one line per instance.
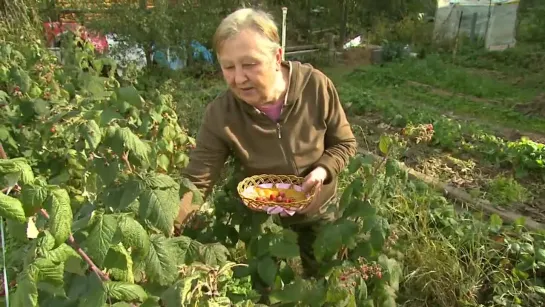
[472, 35]
[284, 13]
[457, 38]
[331, 46]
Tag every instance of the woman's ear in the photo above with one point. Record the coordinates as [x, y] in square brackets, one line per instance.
[278, 58]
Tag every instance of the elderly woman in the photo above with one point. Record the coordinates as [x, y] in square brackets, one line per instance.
[277, 117]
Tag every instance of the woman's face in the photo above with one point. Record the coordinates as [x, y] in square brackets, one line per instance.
[250, 67]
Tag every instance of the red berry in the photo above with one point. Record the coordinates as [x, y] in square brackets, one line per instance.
[53, 129]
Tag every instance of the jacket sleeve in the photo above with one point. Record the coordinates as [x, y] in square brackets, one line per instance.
[340, 143]
[207, 159]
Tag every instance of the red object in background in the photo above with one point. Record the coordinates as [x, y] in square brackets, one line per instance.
[54, 29]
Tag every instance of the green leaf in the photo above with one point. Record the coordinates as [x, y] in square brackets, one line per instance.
[284, 245]
[126, 140]
[361, 290]
[108, 115]
[44, 243]
[160, 261]
[125, 291]
[181, 246]
[385, 143]
[391, 168]
[61, 254]
[393, 271]
[100, 237]
[11, 208]
[27, 291]
[25, 171]
[495, 222]
[540, 254]
[163, 161]
[50, 274]
[95, 294]
[118, 264]
[187, 186]
[60, 217]
[92, 134]
[354, 165]
[21, 78]
[379, 234]
[129, 193]
[133, 235]
[130, 94]
[360, 208]
[267, 269]
[346, 198]
[18, 231]
[160, 181]
[33, 198]
[160, 207]
[332, 237]
[152, 301]
[215, 254]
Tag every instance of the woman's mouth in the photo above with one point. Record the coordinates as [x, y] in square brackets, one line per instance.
[247, 90]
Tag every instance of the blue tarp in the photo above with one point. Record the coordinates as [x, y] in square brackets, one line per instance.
[175, 63]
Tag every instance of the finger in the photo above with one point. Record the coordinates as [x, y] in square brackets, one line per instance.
[307, 185]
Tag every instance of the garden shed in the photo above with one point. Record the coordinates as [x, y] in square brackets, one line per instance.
[493, 21]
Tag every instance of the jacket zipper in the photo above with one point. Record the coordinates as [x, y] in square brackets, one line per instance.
[290, 161]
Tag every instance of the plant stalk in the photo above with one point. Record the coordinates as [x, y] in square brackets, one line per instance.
[80, 252]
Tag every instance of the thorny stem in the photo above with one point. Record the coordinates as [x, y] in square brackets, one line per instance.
[80, 251]
[125, 159]
[2, 152]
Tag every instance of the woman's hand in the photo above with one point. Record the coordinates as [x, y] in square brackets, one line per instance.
[316, 179]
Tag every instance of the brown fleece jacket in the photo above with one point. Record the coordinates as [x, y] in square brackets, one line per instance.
[312, 131]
